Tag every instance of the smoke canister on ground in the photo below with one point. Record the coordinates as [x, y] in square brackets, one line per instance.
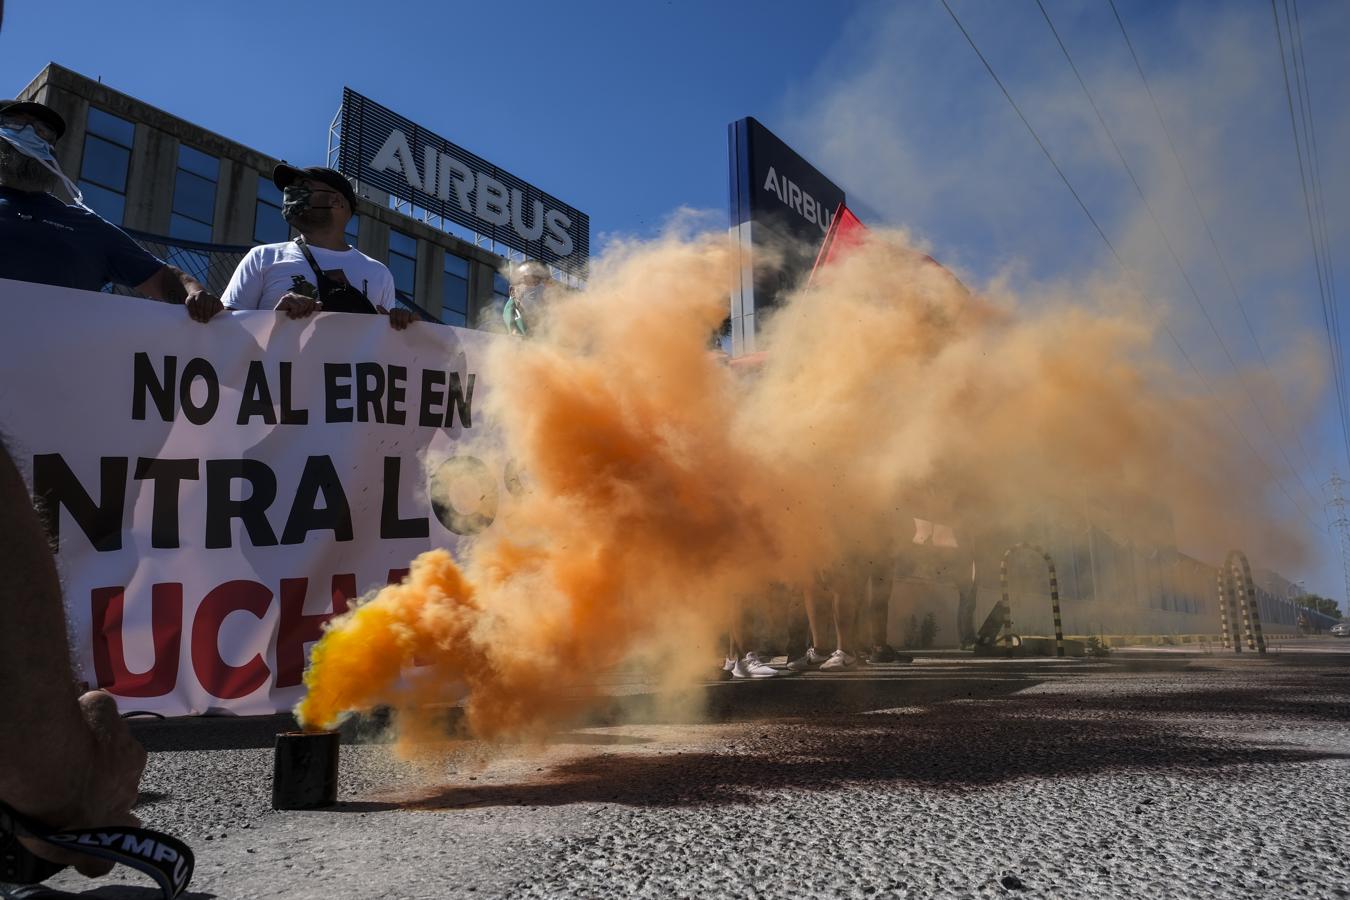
[306, 770]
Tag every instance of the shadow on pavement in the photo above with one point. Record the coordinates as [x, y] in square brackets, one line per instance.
[874, 688]
[106, 892]
[936, 681]
[811, 695]
[588, 739]
[957, 746]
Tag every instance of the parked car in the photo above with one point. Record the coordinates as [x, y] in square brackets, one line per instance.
[1341, 629]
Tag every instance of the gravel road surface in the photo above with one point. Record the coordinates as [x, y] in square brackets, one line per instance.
[1150, 775]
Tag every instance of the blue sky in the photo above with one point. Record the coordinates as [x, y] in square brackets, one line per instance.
[621, 109]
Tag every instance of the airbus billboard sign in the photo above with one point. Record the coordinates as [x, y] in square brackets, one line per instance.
[780, 203]
[384, 150]
[791, 195]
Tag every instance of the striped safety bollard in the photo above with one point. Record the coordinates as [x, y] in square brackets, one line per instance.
[1054, 590]
[1245, 589]
[1006, 634]
[1230, 642]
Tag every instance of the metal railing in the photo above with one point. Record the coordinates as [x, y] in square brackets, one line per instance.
[213, 264]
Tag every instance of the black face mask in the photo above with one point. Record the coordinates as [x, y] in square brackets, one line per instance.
[296, 204]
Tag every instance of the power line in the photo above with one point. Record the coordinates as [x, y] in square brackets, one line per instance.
[1121, 262]
[1328, 306]
[1034, 136]
[1171, 251]
[1304, 106]
[1315, 168]
[1209, 233]
[1295, 27]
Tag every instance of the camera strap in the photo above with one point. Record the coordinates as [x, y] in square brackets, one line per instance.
[163, 857]
[334, 295]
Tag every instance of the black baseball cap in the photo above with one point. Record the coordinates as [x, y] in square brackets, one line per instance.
[285, 175]
[40, 111]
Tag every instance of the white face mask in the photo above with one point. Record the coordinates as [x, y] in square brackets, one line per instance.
[529, 295]
[27, 142]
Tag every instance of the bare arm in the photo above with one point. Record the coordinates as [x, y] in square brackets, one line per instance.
[173, 285]
[64, 761]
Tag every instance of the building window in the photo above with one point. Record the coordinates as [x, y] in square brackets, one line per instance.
[455, 290]
[268, 225]
[501, 292]
[194, 195]
[403, 265]
[353, 229]
[103, 169]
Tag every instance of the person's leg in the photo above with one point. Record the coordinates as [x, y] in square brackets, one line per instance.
[968, 596]
[881, 584]
[844, 610]
[792, 607]
[741, 662]
[812, 596]
[812, 658]
[838, 608]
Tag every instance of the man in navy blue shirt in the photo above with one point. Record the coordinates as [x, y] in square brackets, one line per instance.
[47, 241]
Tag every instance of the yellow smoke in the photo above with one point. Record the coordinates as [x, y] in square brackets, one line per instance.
[661, 487]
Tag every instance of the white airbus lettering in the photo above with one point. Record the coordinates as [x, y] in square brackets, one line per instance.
[491, 196]
[771, 183]
[532, 231]
[479, 194]
[791, 195]
[559, 237]
[429, 169]
[396, 156]
[457, 176]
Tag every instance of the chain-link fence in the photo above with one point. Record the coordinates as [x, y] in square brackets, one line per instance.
[213, 264]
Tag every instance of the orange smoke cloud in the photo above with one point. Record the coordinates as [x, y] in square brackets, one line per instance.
[661, 488]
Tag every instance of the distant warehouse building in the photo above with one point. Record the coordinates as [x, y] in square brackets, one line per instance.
[200, 201]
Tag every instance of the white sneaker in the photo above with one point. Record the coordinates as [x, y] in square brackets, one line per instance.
[751, 667]
[729, 664]
[838, 660]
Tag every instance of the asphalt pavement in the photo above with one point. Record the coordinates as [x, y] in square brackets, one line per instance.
[1145, 774]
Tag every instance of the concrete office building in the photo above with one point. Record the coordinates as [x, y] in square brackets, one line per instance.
[200, 201]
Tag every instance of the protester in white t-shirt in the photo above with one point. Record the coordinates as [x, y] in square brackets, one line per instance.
[318, 271]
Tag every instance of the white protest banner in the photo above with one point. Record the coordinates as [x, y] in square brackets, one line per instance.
[216, 490]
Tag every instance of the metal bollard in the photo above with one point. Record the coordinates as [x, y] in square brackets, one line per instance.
[1054, 589]
[1227, 616]
[1241, 570]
